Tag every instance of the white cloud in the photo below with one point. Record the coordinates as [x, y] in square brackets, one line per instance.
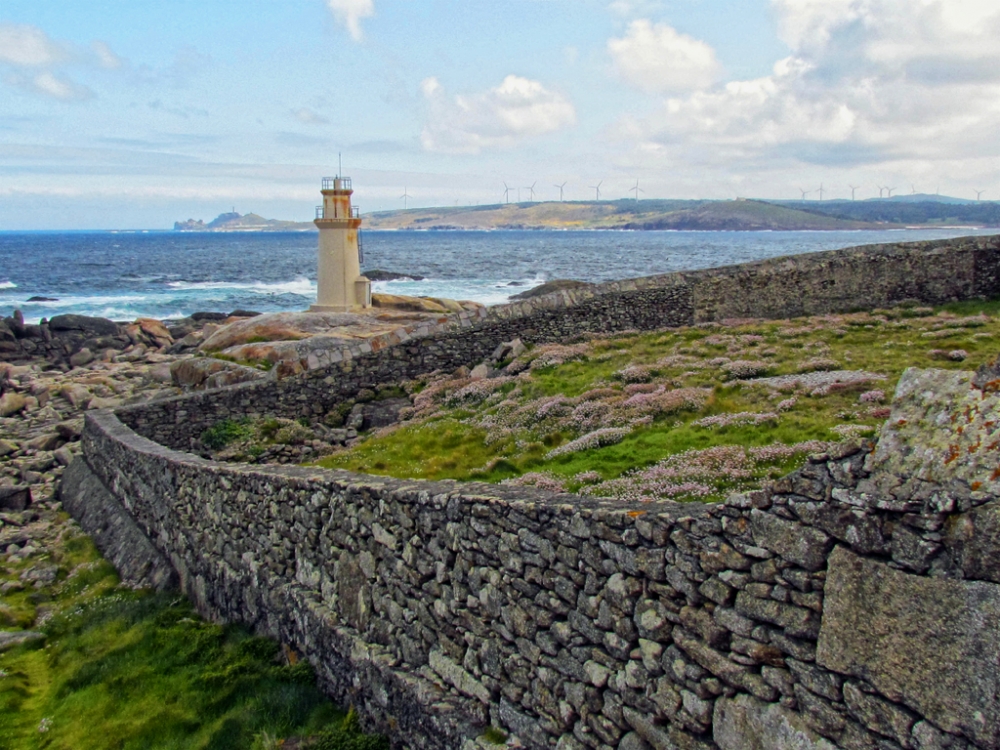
[632, 8]
[350, 13]
[106, 58]
[28, 46]
[501, 117]
[657, 58]
[35, 62]
[910, 83]
[308, 117]
[60, 88]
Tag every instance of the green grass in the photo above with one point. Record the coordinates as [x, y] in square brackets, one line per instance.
[124, 669]
[460, 440]
[225, 432]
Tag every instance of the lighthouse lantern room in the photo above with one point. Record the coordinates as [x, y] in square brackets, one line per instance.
[341, 287]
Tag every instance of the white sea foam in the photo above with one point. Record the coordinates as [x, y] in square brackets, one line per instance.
[8, 285]
[300, 285]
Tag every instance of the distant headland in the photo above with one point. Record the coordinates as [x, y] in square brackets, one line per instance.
[925, 211]
[235, 222]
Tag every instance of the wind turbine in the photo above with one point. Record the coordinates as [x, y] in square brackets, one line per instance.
[913, 189]
[820, 191]
[404, 196]
[637, 190]
[880, 189]
[979, 194]
[531, 190]
[506, 193]
[889, 190]
[597, 188]
[560, 190]
[804, 193]
[853, 188]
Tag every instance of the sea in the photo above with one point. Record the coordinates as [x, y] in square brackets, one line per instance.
[124, 275]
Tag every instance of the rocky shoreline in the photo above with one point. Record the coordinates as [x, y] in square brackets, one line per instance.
[50, 375]
[52, 372]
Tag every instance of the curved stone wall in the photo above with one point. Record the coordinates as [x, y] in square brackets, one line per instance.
[855, 604]
[833, 281]
[849, 606]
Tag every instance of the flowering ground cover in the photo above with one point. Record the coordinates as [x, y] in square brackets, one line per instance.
[688, 414]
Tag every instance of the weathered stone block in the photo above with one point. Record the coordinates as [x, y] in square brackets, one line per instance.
[794, 542]
[972, 540]
[938, 438]
[931, 644]
[744, 723]
[797, 622]
[878, 714]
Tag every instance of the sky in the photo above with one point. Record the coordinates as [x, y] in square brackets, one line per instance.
[135, 114]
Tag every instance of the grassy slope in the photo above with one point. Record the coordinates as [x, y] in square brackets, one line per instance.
[461, 438]
[650, 214]
[746, 215]
[910, 213]
[130, 669]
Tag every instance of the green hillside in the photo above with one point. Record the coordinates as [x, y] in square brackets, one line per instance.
[622, 214]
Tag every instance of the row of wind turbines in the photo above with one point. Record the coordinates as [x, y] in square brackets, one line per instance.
[507, 190]
[635, 190]
[884, 191]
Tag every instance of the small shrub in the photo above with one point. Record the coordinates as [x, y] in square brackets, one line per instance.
[818, 364]
[348, 736]
[738, 418]
[293, 434]
[742, 369]
[224, 433]
[634, 374]
[595, 439]
[494, 736]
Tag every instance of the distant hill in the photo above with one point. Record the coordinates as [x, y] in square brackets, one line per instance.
[926, 198]
[234, 222]
[621, 214]
[905, 211]
[737, 215]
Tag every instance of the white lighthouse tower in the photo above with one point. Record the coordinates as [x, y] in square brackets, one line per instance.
[341, 287]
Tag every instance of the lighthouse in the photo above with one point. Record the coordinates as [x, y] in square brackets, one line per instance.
[341, 287]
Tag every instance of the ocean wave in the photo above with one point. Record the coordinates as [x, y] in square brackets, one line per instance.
[89, 302]
[300, 285]
[8, 285]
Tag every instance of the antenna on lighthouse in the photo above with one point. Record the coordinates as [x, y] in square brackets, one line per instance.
[340, 165]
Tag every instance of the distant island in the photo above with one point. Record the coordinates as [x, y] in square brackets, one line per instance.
[922, 211]
[234, 222]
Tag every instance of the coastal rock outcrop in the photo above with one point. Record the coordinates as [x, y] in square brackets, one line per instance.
[298, 341]
[549, 287]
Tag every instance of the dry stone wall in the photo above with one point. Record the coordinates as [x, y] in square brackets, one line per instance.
[833, 281]
[853, 605]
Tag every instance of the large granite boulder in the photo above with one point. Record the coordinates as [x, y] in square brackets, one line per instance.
[932, 644]
[938, 449]
[209, 372]
[84, 323]
[298, 341]
[421, 304]
[551, 287]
